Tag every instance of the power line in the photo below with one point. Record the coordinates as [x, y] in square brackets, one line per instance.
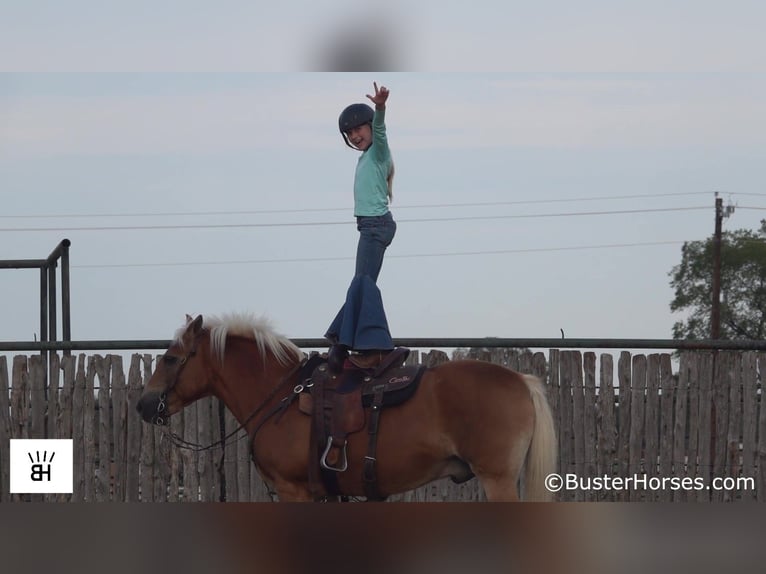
[346, 208]
[327, 223]
[390, 256]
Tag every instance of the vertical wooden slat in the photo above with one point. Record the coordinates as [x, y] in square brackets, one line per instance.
[623, 376]
[760, 475]
[540, 370]
[148, 463]
[87, 419]
[704, 430]
[667, 428]
[68, 368]
[52, 412]
[78, 432]
[637, 429]
[37, 405]
[521, 362]
[19, 398]
[176, 427]
[162, 467]
[204, 466]
[230, 464]
[34, 397]
[119, 414]
[589, 435]
[19, 404]
[133, 423]
[607, 424]
[105, 434]
[243, 467]
[147, 459]
[749, 418]
[651, 423]
[733, 460]
[554, 399]
[64, 423]
[54, 387]
[683, 458]
[566, 404]
[37, 401]
[217, 461]
[5, 431]
[189, 457]
[696, 367]
[89, 433]
[162, 458]
[720, 429]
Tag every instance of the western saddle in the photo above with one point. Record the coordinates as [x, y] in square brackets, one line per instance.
[344, 403]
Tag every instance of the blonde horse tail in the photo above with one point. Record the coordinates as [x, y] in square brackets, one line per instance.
[542, 453]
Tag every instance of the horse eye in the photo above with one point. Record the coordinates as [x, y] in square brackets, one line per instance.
[169, 359]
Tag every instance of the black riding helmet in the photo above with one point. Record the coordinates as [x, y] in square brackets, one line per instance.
[352, 117]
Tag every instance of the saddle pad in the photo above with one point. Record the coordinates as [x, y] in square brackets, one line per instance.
[399, 385]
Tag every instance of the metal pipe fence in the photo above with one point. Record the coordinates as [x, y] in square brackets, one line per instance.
[421, 343]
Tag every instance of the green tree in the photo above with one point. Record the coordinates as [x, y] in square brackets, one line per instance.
[743, 286]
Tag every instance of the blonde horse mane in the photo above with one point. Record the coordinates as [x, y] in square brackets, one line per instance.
[250, 326]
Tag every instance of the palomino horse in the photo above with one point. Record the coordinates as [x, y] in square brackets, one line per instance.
[467, 417]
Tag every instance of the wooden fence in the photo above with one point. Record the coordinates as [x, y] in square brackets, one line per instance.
[700, 423]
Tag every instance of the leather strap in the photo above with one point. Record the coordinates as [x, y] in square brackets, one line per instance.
[369, 472]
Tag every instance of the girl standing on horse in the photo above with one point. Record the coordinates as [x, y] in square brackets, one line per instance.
[361, 323]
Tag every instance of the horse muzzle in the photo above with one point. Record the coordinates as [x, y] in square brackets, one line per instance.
[153, 408]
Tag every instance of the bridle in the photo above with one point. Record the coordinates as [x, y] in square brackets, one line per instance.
[160, 420]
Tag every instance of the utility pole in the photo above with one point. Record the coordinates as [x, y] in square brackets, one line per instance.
[715, 310]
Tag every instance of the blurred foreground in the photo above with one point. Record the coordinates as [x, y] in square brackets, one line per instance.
[402, 538]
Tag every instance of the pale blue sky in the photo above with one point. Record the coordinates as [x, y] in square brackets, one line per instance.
[664, 100]
[112, 144]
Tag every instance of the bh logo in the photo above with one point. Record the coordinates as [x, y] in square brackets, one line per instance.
[41, 466]
[40, 471]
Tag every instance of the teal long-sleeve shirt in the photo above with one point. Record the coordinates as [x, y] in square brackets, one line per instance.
[372, 171]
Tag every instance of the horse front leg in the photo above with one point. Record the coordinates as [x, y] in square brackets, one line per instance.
[292, 492]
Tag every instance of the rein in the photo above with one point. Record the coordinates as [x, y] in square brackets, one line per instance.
[179, 442]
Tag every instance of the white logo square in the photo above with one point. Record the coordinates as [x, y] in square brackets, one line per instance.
[41, 466]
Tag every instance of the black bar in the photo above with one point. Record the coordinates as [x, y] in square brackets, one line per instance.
[52, 318]
[66, 317]
[43, 306]
[52, 315]
[22, 263]
[60, 248]
[420, 343]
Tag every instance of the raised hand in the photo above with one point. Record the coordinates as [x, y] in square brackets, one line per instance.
[380, 97]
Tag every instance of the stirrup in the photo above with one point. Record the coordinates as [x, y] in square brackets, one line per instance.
[344, 458]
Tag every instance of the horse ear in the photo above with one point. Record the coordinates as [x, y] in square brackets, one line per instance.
[196, 325]
[189, 318]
